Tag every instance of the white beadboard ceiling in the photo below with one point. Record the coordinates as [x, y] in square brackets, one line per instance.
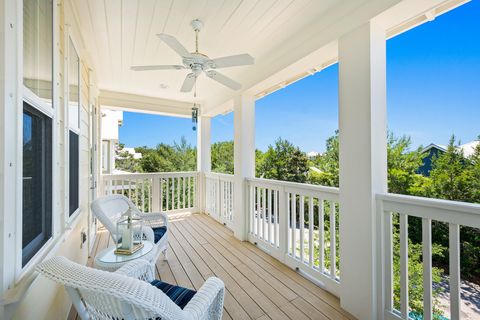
[122, 33]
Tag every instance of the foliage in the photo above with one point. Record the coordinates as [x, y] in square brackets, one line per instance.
[125, 161]
[166, 158]
[222, 157]
[284, 162]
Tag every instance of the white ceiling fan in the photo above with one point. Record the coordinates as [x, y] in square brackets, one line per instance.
[198, 62]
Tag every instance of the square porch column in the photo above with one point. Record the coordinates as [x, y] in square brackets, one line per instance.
[244, 159]
[363, 163]
[204, 163]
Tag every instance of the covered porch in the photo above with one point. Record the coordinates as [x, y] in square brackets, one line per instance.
[284, 250]
[258, 286]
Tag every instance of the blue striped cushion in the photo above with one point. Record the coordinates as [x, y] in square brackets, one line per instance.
[158, 232]
[181, 296]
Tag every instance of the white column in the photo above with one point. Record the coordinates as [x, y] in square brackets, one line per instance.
[363, 163]
[244, 159]
[204, 163]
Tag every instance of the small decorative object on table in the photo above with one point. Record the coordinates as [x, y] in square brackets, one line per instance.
[129, 231]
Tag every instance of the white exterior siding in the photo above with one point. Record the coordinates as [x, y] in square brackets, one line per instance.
[44, 299]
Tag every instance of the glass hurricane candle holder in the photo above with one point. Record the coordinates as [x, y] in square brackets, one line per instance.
[129, 233]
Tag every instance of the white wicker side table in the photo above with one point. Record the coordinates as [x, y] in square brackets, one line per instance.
[109, 261]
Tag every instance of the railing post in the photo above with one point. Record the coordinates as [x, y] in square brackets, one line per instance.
[203, 160]
[156, 193]
[283, 223]
[244, 159]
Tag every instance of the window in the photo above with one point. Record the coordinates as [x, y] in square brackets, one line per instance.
[38, 48]
[74, 125]
[73, 87]
[37, 126]
[73, 173]
[37, 181]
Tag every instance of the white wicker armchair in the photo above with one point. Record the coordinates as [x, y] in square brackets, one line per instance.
[98, 294]
[109, 208]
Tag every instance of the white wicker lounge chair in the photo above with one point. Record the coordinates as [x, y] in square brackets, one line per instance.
[98, 294]
[109, 208]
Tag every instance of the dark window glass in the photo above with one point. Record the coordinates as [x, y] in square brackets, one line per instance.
[38, 47]
[73, 173]
[37, 181]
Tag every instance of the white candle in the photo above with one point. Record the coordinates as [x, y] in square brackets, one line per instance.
[127, 237]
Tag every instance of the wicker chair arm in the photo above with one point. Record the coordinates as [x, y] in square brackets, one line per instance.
[138, 269]
[208, 301]
[152, 216]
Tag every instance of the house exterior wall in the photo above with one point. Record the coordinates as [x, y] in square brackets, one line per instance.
[24, 294]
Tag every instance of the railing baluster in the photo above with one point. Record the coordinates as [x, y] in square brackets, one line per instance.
[388, 231]
[250, 207]
[302, 228]
[167, 191]
[143, 195]
[183, 189]
[161, 193]
[310, 231]
[404, 265]
[333, 241]
[189, 182]
[264, 212]
[454, 250]
[294, 224]
[258, 211]
[321, 235]
[427, 268]
[173, 193]
[288, 219]
[276, 224]
[269, 216]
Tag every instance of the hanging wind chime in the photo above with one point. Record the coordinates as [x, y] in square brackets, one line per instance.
[195, 110]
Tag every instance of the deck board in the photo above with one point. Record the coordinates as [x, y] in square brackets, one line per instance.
[257, 285]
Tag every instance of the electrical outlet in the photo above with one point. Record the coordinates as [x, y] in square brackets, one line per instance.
[83, 238]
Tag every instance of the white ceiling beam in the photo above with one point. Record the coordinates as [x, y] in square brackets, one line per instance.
[144, 104]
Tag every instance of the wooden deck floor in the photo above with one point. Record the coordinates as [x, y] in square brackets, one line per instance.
[258, 286]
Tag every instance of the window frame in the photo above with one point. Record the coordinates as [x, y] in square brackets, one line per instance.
[25, 95]
[71, 217]
[35, 112]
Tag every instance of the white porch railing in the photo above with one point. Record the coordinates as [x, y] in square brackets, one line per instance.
[453, 213]
[219, 197]
[298, 224]
[163, 191]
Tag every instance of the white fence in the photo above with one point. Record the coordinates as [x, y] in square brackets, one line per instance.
[165, 191]
[219, 197]
[400, 208]
[298, 224]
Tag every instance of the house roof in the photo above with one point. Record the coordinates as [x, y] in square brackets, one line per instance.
[440, 147]
[469, 148]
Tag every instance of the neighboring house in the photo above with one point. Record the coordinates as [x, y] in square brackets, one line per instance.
[435, 150]
[135, 155]
[313, 154]
[431, 151]
[111, 122]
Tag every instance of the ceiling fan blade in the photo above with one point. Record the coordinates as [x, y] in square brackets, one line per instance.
[173, 43]
[226, 81]
[188, 83]
[156, 67]
[233, 61]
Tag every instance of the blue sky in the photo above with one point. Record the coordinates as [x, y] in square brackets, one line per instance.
[433, 91]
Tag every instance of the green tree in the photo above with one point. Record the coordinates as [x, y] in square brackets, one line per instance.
[125, 161]
[402, 166]
[222, 157]
[284, 162]
[328, 164]
[451, 177]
